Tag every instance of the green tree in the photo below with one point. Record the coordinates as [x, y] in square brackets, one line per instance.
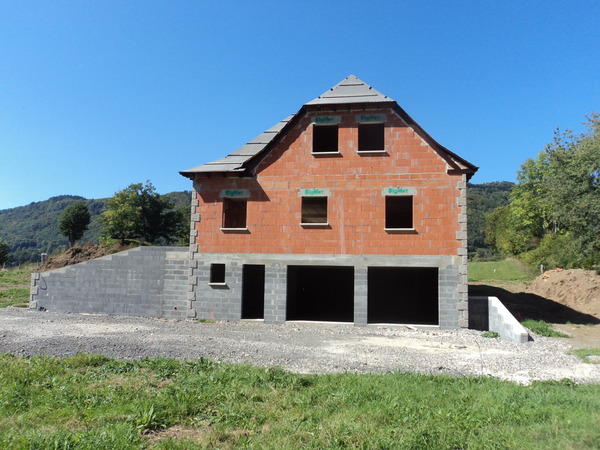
[74, 221]
[553, 217]
[4, 256]
[138, 213]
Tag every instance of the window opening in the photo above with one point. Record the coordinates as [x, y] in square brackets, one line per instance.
[399, 211]
[314, 210]
[234, 213]
[325, 139]
[371, 137]
[217, 273]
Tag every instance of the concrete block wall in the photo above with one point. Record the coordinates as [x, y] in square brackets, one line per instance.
[275, 290]
[223, 301]
[488, 313]
[461, 235]
[146, 281]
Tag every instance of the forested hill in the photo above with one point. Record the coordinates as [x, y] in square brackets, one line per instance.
[482, 199]
[33, 229]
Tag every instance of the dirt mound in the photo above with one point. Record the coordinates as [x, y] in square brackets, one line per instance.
[76, 255]
[557, 296]
[576, 288]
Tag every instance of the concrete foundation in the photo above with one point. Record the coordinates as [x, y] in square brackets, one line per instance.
[222, 301]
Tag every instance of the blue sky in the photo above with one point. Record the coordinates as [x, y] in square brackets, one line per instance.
[96, 95]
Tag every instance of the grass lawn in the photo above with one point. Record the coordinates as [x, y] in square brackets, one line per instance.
[509, 270]
[14, 287]
[94, 402]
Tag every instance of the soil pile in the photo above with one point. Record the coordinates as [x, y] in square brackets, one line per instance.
[557, 296]
[576, 288]
[76, 255]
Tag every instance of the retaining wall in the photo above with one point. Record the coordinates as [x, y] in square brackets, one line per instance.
[145, 281]
[488, 313]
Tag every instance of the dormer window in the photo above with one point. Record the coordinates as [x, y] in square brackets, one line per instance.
[325, 134]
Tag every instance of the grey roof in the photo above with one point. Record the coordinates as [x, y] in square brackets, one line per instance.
[350, 90]
[235, 162]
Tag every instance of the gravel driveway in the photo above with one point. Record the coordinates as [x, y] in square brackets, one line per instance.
[298, 347]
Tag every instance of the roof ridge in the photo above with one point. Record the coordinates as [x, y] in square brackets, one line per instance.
[350, 90]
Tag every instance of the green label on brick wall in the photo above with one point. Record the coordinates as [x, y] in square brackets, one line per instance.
[314, 192]
[327, 120]
[399, 191]
[371, 118]
[235, 193]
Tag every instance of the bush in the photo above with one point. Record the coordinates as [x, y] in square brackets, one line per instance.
[565, 251]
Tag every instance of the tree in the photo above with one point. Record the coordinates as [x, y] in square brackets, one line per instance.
[74, 221]
[554, 212]
[138, 213]
[4, 256]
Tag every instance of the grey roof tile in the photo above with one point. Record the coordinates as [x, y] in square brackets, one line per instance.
[235, 161]
[350, 90]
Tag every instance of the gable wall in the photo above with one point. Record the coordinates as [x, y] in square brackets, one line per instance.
[356, 205]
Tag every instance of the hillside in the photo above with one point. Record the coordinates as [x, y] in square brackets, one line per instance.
[32, 229]
[482, 199]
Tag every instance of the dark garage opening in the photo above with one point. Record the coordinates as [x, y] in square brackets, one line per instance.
[320, 293]
[253, 291]
[403, 295]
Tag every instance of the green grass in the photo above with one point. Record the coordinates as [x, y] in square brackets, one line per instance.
[93, 402]
[509, 270]
[14, 287]
[490, 334]
[588, 355]
[14, 297]
[542, 328]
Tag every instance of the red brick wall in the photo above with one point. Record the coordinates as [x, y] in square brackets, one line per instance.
[356, 206]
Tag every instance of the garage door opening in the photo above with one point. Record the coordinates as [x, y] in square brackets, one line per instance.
[253, 291]
[320, 293]
[404, 295]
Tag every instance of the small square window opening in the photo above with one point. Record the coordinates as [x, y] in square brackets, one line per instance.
[325, 139]
[371, 137]
[217, 273]
[234, 213]
[399, 212]
[314, 210]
